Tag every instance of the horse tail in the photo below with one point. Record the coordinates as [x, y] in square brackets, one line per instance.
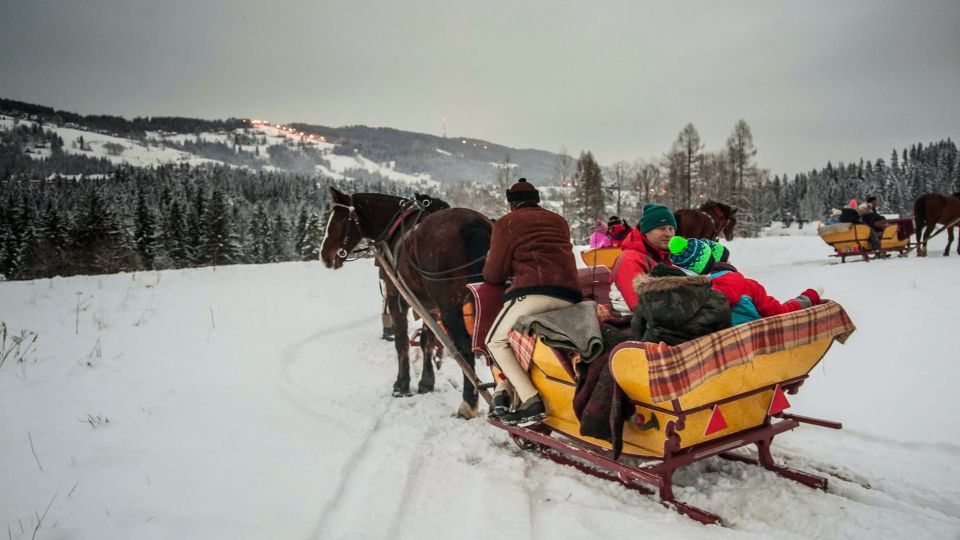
[476, 236]
[920, 214]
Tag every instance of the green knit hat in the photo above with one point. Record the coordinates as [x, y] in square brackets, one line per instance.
[655, 215]
[697, 254]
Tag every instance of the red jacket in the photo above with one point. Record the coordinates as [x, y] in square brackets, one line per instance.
[638, 257]
[735, 286]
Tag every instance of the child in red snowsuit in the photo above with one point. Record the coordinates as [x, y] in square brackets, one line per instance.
[748, 299]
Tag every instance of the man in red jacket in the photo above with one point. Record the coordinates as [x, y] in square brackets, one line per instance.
[531, 247]
[643, 248]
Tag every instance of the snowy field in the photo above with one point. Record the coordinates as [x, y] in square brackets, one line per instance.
[254, 402]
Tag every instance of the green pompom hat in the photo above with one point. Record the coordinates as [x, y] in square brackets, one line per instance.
[697, 254]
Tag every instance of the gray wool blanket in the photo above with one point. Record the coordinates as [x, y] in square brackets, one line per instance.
[573, 327]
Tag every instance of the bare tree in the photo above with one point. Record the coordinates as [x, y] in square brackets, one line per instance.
[715, 171]
[506, 176]
[563, 168]
[673, 191]
[647, 182]
[619, 175]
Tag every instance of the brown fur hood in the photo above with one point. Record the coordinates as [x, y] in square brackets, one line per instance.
[644, 283]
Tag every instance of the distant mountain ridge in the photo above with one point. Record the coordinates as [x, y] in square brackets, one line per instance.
[447, 160]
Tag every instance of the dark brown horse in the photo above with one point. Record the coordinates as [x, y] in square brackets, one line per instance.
[437, 254]
[712, 219]
[932, 209]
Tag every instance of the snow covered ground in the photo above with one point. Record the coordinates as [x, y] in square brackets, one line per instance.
[254, 402]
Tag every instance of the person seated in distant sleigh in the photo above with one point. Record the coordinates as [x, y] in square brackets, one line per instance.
[617, 230]
[599, 238]
[747, 298]
[834, 217]
[869, 216]
[851, 214]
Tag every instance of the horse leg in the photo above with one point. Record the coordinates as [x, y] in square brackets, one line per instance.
[453, 322]
[398, 310]
[946, 252]
[428, 343]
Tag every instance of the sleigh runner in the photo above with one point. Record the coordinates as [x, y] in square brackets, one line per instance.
[702, 398]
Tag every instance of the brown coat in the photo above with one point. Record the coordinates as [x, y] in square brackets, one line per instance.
[532, 245]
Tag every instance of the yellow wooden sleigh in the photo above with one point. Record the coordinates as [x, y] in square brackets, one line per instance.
[853, 240]
[702, 398]
[605, 256]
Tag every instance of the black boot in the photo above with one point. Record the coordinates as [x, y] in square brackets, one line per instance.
[500, 405]
[387, 334]
[528, 413]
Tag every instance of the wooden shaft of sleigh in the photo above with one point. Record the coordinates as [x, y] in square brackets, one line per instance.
[941, 229]
[387, 264]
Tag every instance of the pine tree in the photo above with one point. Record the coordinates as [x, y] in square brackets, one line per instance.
[175, 236]
[590, 203]
[300, 231]
[220, 243]
[46, 254]
[279, 240]
[312, 238]
[96, 237]
[741, 152]
[689, 148]
[196, 227]
[259, 236]
[145, 232]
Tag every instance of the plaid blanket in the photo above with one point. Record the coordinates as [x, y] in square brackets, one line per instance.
[675, 371]
[522, 345]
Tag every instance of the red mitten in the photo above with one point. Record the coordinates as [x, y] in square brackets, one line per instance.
[812, 295]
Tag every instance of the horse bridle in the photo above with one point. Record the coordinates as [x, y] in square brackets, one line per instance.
[399, 216]
[351, 218]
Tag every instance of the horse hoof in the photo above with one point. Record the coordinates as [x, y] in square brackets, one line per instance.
[466, 411]
[424, 388]
[398, 393]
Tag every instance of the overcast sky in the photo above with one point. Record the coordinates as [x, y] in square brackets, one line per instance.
[815, 80]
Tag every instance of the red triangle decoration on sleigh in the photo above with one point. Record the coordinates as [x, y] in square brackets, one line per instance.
[717, 422]
[779, 402]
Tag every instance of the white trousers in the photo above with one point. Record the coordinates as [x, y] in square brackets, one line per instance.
[499, 345]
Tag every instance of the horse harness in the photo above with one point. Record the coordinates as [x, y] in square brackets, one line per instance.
[718, 228]
[408, 207]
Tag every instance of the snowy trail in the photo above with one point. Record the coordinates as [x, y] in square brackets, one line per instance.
[252, 402]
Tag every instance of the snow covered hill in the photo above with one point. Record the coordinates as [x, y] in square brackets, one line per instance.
[161, 148]
[254, 402]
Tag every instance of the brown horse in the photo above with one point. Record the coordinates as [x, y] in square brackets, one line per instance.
[436, 254]
[712, 219]
[932, 209]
